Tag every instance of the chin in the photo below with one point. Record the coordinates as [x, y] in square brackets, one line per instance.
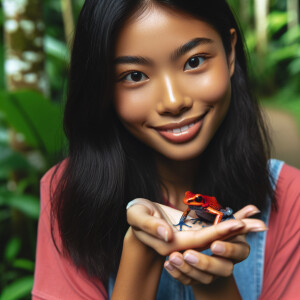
[183, 154]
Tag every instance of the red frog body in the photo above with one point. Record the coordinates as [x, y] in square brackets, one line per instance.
[205, 207]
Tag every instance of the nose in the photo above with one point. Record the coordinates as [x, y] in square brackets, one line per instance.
[172, 100]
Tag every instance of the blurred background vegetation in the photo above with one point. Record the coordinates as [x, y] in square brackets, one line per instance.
[34, 52]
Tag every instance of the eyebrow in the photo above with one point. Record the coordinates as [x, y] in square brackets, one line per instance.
[189, 46]
[139, 60]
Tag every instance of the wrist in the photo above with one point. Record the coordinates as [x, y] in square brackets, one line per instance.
[139, 271]
[221, 288]
[133, 245]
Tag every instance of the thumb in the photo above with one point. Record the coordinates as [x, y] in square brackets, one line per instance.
[144, 215]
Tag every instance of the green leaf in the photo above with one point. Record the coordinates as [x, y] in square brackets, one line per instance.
[18, 289]
[11, 160]
[276, 20]
[12, 249]
[24, 264]
[4, 137]
[29, 205]
[56, 48]
[2, 75]
[283, 53]
[291, 36]
[294, 66]
[38, 119]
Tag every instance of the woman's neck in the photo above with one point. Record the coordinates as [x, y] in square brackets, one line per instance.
[176, 177]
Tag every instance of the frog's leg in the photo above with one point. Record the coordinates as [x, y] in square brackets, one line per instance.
[215, 212]
[227, 214]
[182, 219]
[199, 220]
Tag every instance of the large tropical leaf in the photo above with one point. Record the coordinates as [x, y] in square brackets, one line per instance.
[35, 117]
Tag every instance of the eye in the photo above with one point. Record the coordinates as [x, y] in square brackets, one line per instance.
[199, 199]
[194, 62]
[135, 76]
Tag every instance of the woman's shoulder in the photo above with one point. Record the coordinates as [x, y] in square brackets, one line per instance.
[281, 272]
[288, 183]
[55, 173]
[285, 217]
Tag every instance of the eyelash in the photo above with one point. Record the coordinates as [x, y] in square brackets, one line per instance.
[123, 78]
[202, 56]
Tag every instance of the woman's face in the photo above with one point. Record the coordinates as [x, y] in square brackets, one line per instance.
[172, 81]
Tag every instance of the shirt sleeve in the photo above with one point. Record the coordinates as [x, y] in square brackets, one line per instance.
[282, 253]
[56, 277]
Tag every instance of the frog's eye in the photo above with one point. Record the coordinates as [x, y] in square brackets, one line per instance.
[199, 199]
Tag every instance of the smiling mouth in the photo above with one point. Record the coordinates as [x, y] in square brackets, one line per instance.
[181, 132]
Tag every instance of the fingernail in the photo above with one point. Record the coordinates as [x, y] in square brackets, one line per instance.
[190, 258]
[218, 248]
[163, 233]
[258, 229]
[131, 203]
[252, 212]
[176, 261]
[232, 226]
[169, 267]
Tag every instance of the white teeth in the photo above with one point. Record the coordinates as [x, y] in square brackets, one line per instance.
[181, 129]
[184, 128]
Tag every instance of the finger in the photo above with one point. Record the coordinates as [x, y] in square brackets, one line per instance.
[246, 212]
[201, 239]
[237, 251]
[142, 215]
[176, 274]
[198, 264]
[253, 225]
[198, 239]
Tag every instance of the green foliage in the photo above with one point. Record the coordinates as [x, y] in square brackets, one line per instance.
[18, 289]
[35, 121]
[35, 117]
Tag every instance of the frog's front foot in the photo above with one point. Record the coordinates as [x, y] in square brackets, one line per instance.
[181, 223]
[195, 220]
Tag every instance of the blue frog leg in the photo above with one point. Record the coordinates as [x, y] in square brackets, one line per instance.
[182, 219]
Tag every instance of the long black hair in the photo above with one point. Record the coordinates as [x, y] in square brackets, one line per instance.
[107, 167]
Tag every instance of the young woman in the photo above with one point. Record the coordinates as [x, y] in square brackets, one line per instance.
[159, 104]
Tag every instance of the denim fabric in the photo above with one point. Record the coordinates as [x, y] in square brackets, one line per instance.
[248, 274]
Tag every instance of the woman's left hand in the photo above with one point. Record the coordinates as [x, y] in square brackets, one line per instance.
[192, 267]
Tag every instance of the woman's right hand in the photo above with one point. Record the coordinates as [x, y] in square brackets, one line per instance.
[153, 225]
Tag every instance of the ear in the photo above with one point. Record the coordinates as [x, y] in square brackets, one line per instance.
[231, 56]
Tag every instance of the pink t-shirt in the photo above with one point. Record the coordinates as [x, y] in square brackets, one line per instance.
[56, 277]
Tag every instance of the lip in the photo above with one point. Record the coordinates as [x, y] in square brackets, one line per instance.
[193, 126]
[171, 126]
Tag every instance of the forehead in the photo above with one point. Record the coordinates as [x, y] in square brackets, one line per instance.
[158, 30]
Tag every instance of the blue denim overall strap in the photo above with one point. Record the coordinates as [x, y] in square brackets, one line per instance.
[248, 274]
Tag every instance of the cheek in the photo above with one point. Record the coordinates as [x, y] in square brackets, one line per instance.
[213, 87]
[132, 106]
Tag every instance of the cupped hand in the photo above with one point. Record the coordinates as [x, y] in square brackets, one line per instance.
[192, 267]
[153, 225]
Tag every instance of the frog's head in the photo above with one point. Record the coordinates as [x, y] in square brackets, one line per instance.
[193, 199]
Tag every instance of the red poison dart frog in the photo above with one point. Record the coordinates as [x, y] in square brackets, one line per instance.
[205, 207]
